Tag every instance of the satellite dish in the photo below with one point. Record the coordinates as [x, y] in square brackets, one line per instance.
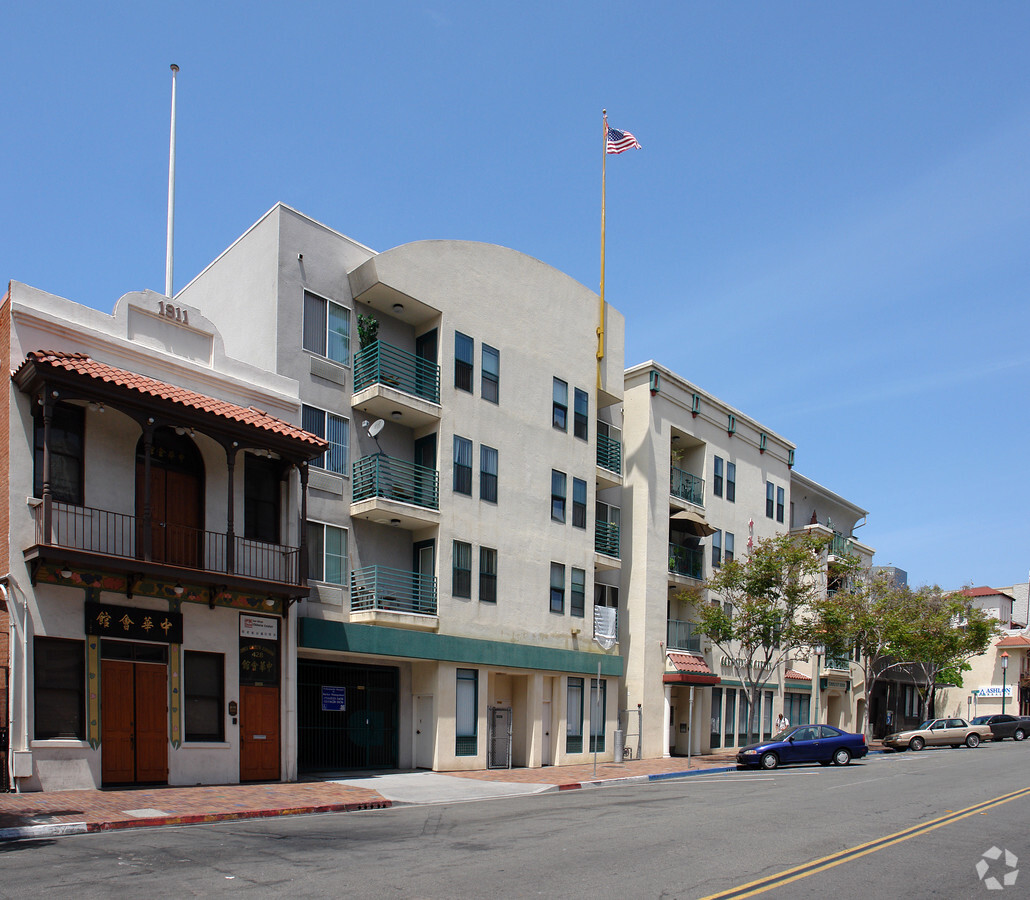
[375, 427]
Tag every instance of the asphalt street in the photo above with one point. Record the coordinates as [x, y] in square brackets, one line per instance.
[915, 825]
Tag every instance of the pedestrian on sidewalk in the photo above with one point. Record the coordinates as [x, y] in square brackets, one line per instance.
[781, 722]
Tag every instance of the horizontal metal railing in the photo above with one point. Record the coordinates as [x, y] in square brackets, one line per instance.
[395, 479]
[686, 486]
[394, 590]
[682, 636]
[122, 536]
[687, 561]
[382, 363]
[838, 662]
[841, 546]
[606, 538]
[609, 453]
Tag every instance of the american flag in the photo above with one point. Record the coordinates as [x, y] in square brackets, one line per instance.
[620, 141]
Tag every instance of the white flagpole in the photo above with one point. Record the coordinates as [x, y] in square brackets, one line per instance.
[171, 194]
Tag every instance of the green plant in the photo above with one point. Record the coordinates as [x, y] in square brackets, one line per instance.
[368, 330]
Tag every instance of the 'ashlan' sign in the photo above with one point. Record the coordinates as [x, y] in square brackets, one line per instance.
[994, 692]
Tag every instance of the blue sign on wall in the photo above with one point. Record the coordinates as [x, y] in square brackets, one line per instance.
[334, 699]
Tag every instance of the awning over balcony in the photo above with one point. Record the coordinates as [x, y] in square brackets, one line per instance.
[690, 669]
[696, 521]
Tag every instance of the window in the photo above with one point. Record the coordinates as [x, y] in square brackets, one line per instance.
[466, 718]
[326, 328]
[769, 503]
[60, 692]
[557, 496]
[204, 691]
[487, 575]
[598, 705]
[462, 465]
[487, 473]
[728, 548]
[574, 726]
[464, 361]
[327, 553]
[332, 428]
[716, 549]
[716, 739]
[557, 588]
[767, 722]
[779, 504]
[461, 570]
[67, 429]
[560, 405]
[578, 592]
[491, 374]
[796, 708]
[717, 480]
[728, 716]
[731, 482]
[727, 609]
[579, 503]
[261, 497]
[579, 414]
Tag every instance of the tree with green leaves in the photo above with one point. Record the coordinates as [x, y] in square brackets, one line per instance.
[763, 614]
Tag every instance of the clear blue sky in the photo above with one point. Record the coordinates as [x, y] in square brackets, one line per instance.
[827, 227]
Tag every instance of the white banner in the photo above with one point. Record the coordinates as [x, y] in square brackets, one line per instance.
[994, 691]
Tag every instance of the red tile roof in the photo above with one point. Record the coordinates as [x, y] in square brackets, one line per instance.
[794, 675]
[690, 669]
[984, 592]
[1014, 640]
[85, 366]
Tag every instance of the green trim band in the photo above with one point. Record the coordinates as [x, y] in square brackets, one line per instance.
[377, 640]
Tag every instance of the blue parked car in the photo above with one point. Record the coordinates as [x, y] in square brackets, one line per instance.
[823, 744]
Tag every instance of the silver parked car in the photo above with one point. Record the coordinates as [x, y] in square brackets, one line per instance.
[939, 733]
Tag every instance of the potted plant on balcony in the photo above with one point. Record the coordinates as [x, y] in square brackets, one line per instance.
[368, 330]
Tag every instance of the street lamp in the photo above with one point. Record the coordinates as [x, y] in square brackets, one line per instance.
[819, 649]
[1004, 674]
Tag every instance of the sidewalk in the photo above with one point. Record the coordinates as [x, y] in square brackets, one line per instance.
[41, 815]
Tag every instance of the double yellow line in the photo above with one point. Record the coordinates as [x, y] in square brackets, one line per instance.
[752, 888]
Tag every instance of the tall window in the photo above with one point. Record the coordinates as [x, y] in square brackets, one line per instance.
[466, 718]
[326, 328]
[487, 473]
[557, 496]
[67, 428]
[579, 503]
[560, 405]
[767, 716]
[261, 497]
[716, 738]
[461, 570]
[779, 504]
[728, 716]
[574, 726]
[731, 482]
[60, 688]
[717, 479]
[728, 551]
[557, 588]
[770, 503]
[577, 592]
[464, 361]
[598, 704]
[204, 696]
[716, 549]
[579, 414]
[491, 374]
[332, 428]
[327, 553]
[462, 465]
[487, 575]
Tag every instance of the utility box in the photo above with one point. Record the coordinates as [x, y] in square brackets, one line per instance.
[620, 745]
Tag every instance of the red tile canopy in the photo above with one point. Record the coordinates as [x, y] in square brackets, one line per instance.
[690, 669]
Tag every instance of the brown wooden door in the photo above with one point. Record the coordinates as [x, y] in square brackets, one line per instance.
[176, 500]
[151, 723]
[133, 722]
[259, 733]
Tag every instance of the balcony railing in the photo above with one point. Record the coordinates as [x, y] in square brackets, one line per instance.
[687, 487]
[121, 536]
[682, 636]
[395, 479]
[609, 453]
[606, 538]
[382, 363]
[687, 561]
[392, 590]
[841, 546]
[838, 662]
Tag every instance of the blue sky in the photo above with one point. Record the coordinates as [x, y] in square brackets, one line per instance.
[828, 226]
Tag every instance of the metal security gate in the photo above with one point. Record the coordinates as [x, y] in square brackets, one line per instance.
[347, 716]
[498, 750]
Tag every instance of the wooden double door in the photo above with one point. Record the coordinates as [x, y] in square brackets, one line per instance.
[133, 722]
[176, 495]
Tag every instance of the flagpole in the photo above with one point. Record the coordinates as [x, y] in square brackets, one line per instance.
[600, 325]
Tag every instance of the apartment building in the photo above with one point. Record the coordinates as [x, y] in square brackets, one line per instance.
[458, 576]
[152, 544]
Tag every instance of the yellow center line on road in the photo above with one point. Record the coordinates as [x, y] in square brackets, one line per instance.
[760, 886]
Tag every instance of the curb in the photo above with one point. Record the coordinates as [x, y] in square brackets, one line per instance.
[33, 832]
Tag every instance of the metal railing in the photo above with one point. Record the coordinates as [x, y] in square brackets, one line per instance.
[382, 363]
[837, 662]
[606, 538]
[682, 636]
[395, 479]
[687, 561]
[841, 546]
[392, 590]
[122, 536]
[686, 486]
[609, 453]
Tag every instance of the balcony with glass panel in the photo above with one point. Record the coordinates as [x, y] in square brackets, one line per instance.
[686, 562]
[381, 595]
[682, 635]
[389, 380]
[840, 545]
[840, 663]
[391, 491]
